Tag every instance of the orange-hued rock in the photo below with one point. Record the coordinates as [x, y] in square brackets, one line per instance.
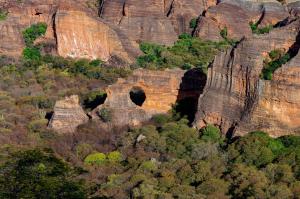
[235, 98]
[278, 109]
[235, 15]
[161, 89]
[67, 115]
[72, 30]
[225, 15]
[81, 36]
[159, 21]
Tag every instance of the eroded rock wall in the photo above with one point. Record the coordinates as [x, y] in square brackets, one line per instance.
[160, 87]
[236, 98]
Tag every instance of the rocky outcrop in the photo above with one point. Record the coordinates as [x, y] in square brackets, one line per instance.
[156, 93]
[278, 107]
[72, 30]
[161, 89]
[67, 115]
[159, 21]
[236, 98]
[235, 15]
[81, 36]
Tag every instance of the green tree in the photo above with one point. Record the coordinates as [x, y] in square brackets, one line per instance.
[38, 174]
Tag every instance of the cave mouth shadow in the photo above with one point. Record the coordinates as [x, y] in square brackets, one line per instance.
[137, 95]
[191, 87]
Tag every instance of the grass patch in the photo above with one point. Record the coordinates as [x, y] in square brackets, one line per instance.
[256, 30]
[3, 15]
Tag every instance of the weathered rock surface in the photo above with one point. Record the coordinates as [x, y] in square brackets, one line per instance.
[72, 30]
[160, 87]
[162, 90]
[159, 21]
[236, 97]
[68, 114]
[278, 107]
[236, 15]
[81, 36]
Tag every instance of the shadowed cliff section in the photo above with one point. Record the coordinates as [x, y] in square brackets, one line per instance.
[191, 87]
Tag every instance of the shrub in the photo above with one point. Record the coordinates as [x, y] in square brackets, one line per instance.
[3, 15]
[95, 62]
[41, 102]
[32, 53]
[278, 58]
[95, 159]
[33, 32]
[188, 52]
[211, 134]
[37, 126]
[149, 166]
[161, 119]
[94, 98]
[224, 33]
[256, 30]
[83, 149]
[193, 23]
[105, 114]
[114, 156]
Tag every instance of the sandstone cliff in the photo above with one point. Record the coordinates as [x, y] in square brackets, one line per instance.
[236, 98]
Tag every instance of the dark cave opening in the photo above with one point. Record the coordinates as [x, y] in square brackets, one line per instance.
[93, 102]
[137, 96]
[191, 87]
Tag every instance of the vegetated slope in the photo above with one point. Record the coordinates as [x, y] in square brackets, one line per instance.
[165, 158]
[161, 160]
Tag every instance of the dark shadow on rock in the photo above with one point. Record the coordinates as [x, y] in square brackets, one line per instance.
[191, 87]
[137, 95]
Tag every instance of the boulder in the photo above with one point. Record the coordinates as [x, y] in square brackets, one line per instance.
[67, 115]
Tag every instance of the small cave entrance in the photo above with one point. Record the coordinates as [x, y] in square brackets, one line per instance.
[191, 87]
[94, 99]
[137, 95]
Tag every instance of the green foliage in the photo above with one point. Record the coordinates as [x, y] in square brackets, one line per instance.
[211, 134]
[33, 32]
[32, 53]
[41, 102]
[256, 30]
[161, 119]
[93, 99]
[3, 15]
[114, 156]
[278, 58]
[38, 174]
[89, 69]
[193, 23]
[96, 62]
[95, 159]
[256, 148]
[105, 114]
[224, 33]
[187, 52]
